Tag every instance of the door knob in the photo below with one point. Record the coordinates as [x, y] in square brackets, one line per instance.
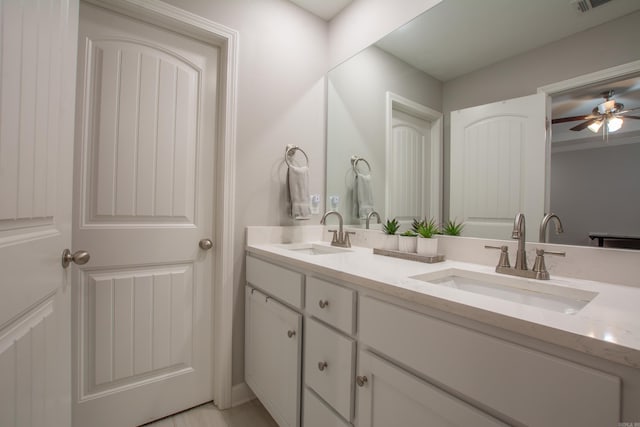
[205, 244]
[79, 257]
[361, 380]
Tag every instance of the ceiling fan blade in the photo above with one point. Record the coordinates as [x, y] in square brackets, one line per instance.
[571, 119]
[584, 125]
[627, 111]
[631, 117]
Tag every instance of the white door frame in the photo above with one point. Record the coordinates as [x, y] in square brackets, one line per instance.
[400, 103]
[619, 71]
[226, 39]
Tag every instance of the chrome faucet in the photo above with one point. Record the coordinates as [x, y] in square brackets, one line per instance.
[519, 234]
[543, 226]
[520, 269]
[340, 237]
[372, 213]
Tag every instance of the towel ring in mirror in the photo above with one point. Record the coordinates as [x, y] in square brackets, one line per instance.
[354, 163]
[290, 151]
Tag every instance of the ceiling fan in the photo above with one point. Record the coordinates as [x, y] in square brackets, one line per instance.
[608, 113]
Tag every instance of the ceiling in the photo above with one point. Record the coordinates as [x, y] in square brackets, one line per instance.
[457, 37]
[325, 9]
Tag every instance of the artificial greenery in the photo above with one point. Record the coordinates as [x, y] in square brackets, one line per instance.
[416, 224]
[452, 228]
[428, 228]
[391, 226]
[409, 233]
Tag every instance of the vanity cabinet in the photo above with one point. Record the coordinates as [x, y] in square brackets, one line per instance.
[390, 396]
[329, 349]
[273, 339]
[318, 414]
[373, 360]
[329, 360]
[520, 384]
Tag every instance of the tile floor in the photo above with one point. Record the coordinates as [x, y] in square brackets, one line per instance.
[250, 414]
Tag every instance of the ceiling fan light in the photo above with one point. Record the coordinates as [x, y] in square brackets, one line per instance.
[614, 124]
[595, 126]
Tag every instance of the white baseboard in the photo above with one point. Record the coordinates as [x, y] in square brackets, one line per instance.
[241, 393]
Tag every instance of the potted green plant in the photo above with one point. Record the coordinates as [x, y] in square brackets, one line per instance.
[407, 241]
[416, 224]
[452, 228]
[427, 243]
[390, 240]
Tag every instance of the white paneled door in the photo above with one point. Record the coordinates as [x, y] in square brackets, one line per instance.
[409, 168]
[37, 83]
[145, 150]
[498, 166]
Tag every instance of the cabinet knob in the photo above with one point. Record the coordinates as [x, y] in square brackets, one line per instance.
[361, 380]
[322, 365]
[323, 303]
[291, 334]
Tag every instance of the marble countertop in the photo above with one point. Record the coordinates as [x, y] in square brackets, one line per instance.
[607, 327]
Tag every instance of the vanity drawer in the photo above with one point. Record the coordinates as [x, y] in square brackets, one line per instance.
[283, 284]
[329, 366]
[317, 414]
[533, 388]
[331, 303]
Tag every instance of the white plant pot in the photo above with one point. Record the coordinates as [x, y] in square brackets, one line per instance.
[427, 247]
[390, 242]
[407, 243]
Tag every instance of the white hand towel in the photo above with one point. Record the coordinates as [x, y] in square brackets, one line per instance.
[298, 184]
[363, 195]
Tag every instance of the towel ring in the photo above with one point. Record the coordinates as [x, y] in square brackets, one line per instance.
[355, 160]
[290, 150]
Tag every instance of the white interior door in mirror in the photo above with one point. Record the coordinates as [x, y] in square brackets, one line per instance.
[498, 158]
[408, 176]
[413, 147]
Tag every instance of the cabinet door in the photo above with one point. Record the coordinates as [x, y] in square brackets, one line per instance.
[328, 369]
[273, 356]
[393, 397]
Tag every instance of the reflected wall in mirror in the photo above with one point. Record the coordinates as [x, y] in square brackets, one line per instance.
[436, 63]
[359, 92]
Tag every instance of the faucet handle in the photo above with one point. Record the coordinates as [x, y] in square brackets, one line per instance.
[542, 252]
[504, 255]
[335, 235]
[539, 266]
[347, 241]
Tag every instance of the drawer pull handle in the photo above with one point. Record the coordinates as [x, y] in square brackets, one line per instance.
[361, 380]
[291, 334]
[323, 303]
[322, 365]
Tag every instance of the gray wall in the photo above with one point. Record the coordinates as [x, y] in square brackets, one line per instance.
[281, 92]
[283, 59]
[523, 74]
[596, 190]
[356, 119]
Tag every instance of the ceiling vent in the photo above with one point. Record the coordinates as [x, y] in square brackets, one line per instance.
[583, 6]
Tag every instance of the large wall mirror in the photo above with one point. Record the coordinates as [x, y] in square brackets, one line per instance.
[393, 110]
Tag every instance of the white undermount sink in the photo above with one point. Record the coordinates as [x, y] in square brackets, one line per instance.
[313, 248]
[524, 291]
